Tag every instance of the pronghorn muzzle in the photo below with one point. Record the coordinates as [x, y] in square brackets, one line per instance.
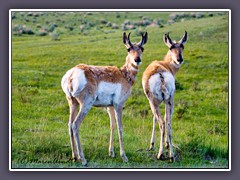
[138, 60]
[180, 59]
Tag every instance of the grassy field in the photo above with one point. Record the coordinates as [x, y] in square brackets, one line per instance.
[46, 45]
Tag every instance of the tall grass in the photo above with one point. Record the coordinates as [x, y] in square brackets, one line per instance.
[40, 112]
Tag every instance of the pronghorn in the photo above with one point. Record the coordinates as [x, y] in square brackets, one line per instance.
[158, 82]
[101, 86]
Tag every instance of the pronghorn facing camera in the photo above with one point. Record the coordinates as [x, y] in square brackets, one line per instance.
[159, 85]
[102, 86]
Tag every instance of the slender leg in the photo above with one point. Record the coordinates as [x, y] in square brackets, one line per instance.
[155, 118]
[73, 107]
[111, 114]
[171, 103]
[118, 113]
[169, 111]
[84, 108]
[166, 137]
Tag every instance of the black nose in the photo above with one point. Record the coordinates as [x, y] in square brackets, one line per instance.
[180, 60]
[138, 59]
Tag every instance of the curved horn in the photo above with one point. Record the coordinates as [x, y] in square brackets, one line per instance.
[167, 40]
[184, 38]
[129, 42]
[126, 40]
[144, 39]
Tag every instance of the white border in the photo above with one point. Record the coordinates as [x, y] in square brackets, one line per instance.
[116, 10]
[229, 89]
[10, 90]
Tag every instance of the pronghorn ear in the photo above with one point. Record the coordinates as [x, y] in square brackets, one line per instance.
[144, 39]
[184, 38]
[126, 40]
[167, 40]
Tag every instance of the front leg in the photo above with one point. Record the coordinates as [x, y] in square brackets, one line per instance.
[111, 114]
[118, 113]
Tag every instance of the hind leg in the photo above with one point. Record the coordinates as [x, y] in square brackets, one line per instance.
[156, 113]
[85, 106]
[168, 120]
[154, 104]
[73, 108]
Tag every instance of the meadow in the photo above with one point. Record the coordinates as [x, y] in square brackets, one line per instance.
[46, 44]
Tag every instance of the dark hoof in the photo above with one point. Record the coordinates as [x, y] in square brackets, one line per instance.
[151, 149]
[74, 159]
[161, 157]
[171, 159]
[125, 159]
[85, 165]
[111, 154]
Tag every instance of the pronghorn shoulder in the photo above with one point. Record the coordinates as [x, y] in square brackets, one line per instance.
[153, 68]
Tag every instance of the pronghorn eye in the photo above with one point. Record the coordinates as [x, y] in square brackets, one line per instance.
[142, 49]
[181, 45]
[173, 46]
[130, 48]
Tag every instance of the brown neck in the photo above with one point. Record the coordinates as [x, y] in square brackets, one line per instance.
[169, 64]
[129, 71]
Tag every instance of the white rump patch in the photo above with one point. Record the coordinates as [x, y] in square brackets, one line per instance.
[155, 84]
[78, 81]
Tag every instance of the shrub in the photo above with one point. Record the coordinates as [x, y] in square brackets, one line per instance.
[115, 26]
[69, 27]
[38, 26]
[21, 29]
[109, 24]
[13, 16]
[118, 16]
[54, 36]
[42, 33]
[82, 27]
[103, 21]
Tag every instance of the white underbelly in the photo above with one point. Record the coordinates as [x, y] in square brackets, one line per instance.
[108, 94]
[162, 90]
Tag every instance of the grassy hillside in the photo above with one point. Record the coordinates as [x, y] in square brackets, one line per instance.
[45, 45]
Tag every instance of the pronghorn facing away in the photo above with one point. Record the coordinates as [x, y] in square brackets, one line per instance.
[102, 86]
[159, 85]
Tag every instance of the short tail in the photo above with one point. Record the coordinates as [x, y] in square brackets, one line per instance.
[163, 86]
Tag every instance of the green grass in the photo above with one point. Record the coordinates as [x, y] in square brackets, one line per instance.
[40, 111]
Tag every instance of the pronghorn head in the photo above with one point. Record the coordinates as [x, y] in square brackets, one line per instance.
[176, 48]
[135, 50]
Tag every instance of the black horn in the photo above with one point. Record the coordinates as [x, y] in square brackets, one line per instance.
[144, 39]
[167, 40]
[184, 38]
[129, 42]
[126, 40]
